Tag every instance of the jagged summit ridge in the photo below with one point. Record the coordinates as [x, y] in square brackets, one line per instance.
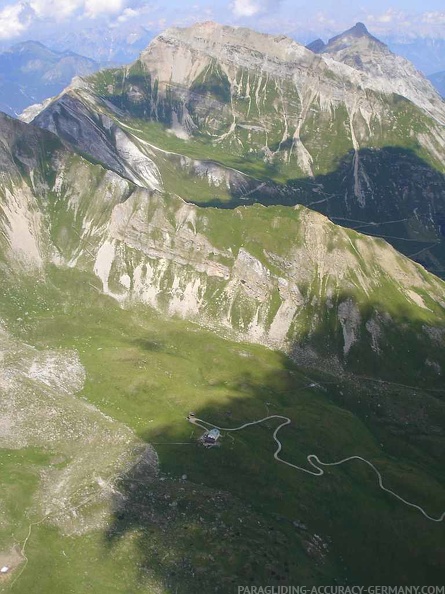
[385, 70]
[343, 40]
[270, 108]
[358, 31]
[180, 54]
[354, 58]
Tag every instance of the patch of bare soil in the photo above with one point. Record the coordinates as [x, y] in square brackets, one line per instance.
[12, 560]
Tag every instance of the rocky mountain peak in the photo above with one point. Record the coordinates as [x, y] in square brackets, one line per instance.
[359, 29]
[26, 46]
[316, 46]
[357, 37]
[227, 42]
[180, 55]
[35, 50]
[204, 27]
[383, 69]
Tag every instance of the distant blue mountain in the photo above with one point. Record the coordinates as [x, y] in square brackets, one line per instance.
[30, 72]
[427, 54]
[438, 80]
[120, 45]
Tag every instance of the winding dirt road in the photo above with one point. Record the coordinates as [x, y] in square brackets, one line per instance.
[313, 460]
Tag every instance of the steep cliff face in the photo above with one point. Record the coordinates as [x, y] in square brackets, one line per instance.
[354, 132]
[286, 278]
[180, 56]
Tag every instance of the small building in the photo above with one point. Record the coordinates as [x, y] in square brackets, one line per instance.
[211, 437]
[4, 569]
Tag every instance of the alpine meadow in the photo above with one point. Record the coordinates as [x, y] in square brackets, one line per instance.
[222, 321]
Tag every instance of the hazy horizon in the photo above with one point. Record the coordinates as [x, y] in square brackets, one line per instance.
[44, 19]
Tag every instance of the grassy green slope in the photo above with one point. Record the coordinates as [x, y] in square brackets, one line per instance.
[264, 118]
[230, 521]
[238, 517]
[325, 265]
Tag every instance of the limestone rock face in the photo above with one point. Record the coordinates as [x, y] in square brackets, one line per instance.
[179, 56]
[236, 86]
[103, 188]
[287, 278]
[361, 51]
[347, 128]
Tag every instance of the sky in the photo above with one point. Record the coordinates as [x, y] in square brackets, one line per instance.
[20, 20]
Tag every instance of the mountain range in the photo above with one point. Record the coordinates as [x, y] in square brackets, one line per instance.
[31, 72]
[241, 226]
[311, 128]
[119, 45]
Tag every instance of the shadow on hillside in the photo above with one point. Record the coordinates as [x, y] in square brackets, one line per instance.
[392, 339]
[390, 192]
[402, 199]
[228, 516]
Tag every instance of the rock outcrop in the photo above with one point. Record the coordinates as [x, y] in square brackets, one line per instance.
[354, 131]
[284, 277]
